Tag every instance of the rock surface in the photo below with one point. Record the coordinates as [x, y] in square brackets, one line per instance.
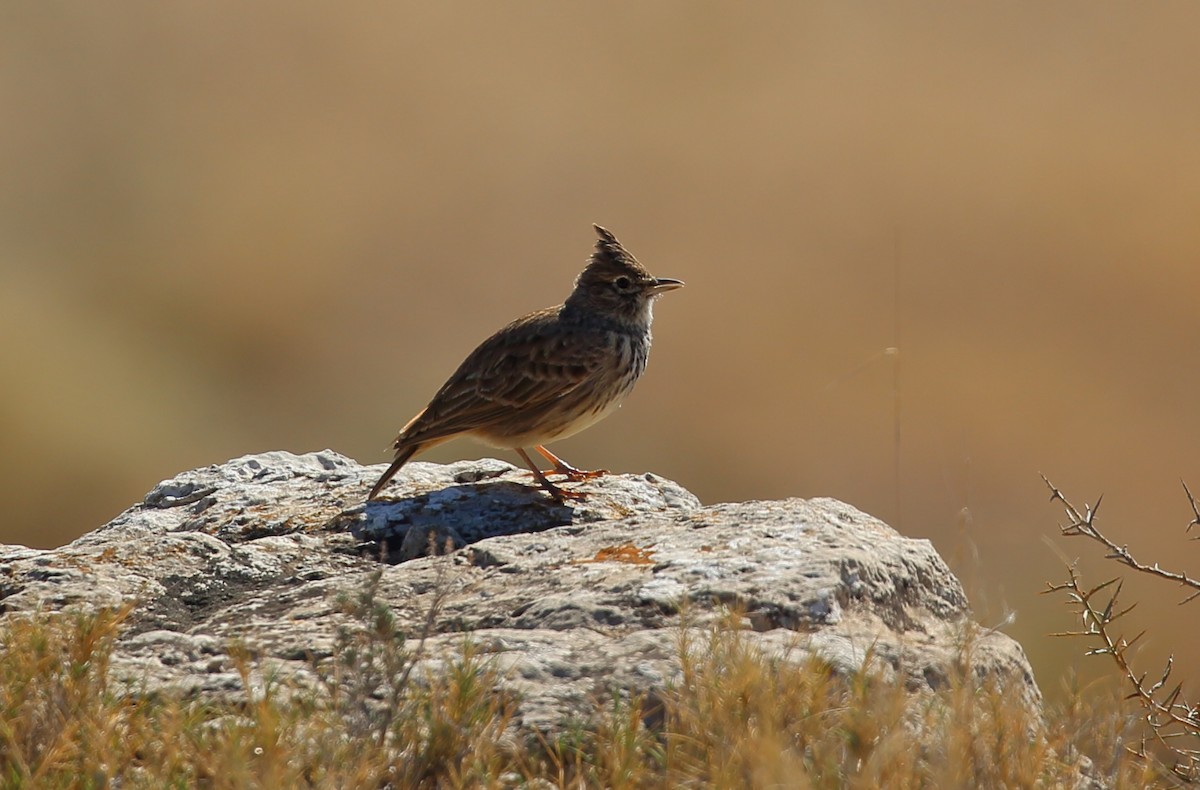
[572, 601]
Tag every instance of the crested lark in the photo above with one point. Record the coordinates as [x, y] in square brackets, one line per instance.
[550, 374]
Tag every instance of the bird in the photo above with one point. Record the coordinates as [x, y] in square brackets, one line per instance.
[549, 374]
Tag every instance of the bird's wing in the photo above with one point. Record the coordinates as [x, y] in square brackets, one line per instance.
[526, 366]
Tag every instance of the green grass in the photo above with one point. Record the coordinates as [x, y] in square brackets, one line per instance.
[734, 719]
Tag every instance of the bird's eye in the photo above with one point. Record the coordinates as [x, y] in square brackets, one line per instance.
[623, 283]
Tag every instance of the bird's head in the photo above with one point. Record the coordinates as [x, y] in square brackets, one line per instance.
[616, 284]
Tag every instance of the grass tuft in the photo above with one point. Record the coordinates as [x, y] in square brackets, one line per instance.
[384, 714]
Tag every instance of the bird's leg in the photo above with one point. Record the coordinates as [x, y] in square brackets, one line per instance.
[564, 468]
[557, 493]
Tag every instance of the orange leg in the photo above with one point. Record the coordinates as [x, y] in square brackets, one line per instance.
[564, 468]
[559, 495]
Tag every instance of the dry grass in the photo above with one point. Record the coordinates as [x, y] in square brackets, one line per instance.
[735, 718]
[741, 719]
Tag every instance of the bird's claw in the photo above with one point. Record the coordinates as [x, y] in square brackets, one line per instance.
[560, 496]
[576, 475]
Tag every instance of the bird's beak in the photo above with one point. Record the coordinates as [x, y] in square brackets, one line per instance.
[665, 284]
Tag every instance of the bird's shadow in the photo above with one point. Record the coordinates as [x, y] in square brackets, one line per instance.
[461, 514]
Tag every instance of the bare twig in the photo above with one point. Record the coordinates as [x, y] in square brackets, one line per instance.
[1083, 523]
[1195, 510]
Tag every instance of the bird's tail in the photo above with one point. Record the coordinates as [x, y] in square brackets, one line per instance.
[402, 456]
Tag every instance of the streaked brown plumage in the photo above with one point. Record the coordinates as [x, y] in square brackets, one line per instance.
[550, 374]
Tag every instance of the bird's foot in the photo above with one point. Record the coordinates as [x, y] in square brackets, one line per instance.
[575, 475]
[561, 496]
[568, 471]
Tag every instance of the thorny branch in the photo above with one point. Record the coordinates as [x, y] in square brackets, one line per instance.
[1170, 718]
[1083, 523]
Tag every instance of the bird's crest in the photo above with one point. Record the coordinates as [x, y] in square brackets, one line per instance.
[610, 254]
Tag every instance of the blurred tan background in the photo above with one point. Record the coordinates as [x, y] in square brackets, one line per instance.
[230, 228]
